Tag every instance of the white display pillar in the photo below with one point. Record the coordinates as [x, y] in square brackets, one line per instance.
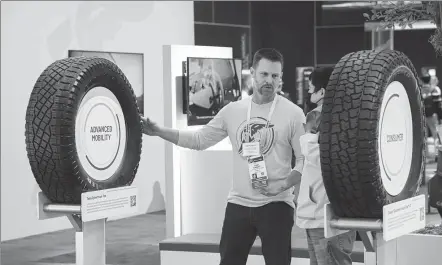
[206, 179]
[173, 58]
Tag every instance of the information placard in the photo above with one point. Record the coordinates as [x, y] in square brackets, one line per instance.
[109, 203]
[403, 217]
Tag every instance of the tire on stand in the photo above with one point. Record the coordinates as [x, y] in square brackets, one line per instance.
[83, 129]
[372, 144]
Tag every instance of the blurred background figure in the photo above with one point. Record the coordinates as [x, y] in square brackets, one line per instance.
[435, 192]
[246, 84]
[431, 95]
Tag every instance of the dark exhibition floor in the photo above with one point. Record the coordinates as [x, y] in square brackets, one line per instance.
[131, 241]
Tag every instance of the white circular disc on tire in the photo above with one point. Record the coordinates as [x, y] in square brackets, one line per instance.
[100, 134]
[395, 141]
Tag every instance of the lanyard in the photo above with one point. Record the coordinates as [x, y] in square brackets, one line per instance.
[272, 109]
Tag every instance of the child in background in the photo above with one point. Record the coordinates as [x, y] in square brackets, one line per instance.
[312, 195]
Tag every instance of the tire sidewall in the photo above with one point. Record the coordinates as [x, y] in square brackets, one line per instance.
[403, 74]
[111, 78]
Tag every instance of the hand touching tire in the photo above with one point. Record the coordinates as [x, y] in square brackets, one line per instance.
[149, 127]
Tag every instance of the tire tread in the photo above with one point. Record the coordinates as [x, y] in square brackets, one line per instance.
[349, 160]
[50, 128]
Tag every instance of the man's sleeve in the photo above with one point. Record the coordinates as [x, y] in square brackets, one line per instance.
[209, 135]
[297, 131]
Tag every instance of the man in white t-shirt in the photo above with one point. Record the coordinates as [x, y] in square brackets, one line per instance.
[263, 130]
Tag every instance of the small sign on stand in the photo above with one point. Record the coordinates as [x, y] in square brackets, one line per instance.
[96, 207]
[379, 235]
[403, 217]
[109, 203]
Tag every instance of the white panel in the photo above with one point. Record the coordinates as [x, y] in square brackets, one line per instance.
[174, 56]
[206, 179]
[419, 249]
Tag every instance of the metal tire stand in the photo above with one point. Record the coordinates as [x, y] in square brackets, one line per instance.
[90, 238]
[377, 250]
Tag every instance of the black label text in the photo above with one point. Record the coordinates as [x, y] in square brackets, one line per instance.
[395, 137]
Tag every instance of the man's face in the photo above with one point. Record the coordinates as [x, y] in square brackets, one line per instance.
[267, 77]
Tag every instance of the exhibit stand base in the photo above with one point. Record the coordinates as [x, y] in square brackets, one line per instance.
[203, 249]
[89, 219]
[385, 240]
[204, 258]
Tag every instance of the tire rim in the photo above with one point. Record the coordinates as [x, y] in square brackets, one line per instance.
[100, 133]
[395, 139]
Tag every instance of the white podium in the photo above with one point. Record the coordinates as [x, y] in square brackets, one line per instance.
[89, 219]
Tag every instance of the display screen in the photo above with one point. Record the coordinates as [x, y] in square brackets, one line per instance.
[212, 83]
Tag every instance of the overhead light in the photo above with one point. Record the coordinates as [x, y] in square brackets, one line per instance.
[366, 4]
[418, 25]
[347, 5]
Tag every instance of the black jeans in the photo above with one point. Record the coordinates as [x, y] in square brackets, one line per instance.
[272, 223]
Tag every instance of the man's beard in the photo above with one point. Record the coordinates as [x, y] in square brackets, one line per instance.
[266, 89]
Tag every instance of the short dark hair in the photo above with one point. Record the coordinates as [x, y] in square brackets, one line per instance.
[270, 54]
[320, 77]
[426, 79]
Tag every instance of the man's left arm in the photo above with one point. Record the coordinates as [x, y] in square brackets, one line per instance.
[294, 177]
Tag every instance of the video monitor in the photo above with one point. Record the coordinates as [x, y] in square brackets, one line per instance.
[212, 83]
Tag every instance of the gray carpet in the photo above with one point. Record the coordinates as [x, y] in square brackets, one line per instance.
[117, 254]
[131, 241]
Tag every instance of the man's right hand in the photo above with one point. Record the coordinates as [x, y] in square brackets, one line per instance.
[150, 127]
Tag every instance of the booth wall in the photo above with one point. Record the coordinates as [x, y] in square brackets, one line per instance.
[35, 34]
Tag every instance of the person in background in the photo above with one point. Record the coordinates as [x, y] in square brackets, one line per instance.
[435, 191]
[312, 196]
[435, 183]
[263, 130]
[432, 102]
[438, 100]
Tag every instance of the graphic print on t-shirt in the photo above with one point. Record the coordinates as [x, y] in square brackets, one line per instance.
[258, 133]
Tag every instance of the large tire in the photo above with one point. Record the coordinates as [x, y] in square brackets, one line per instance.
[83, 129]
[372, 144]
